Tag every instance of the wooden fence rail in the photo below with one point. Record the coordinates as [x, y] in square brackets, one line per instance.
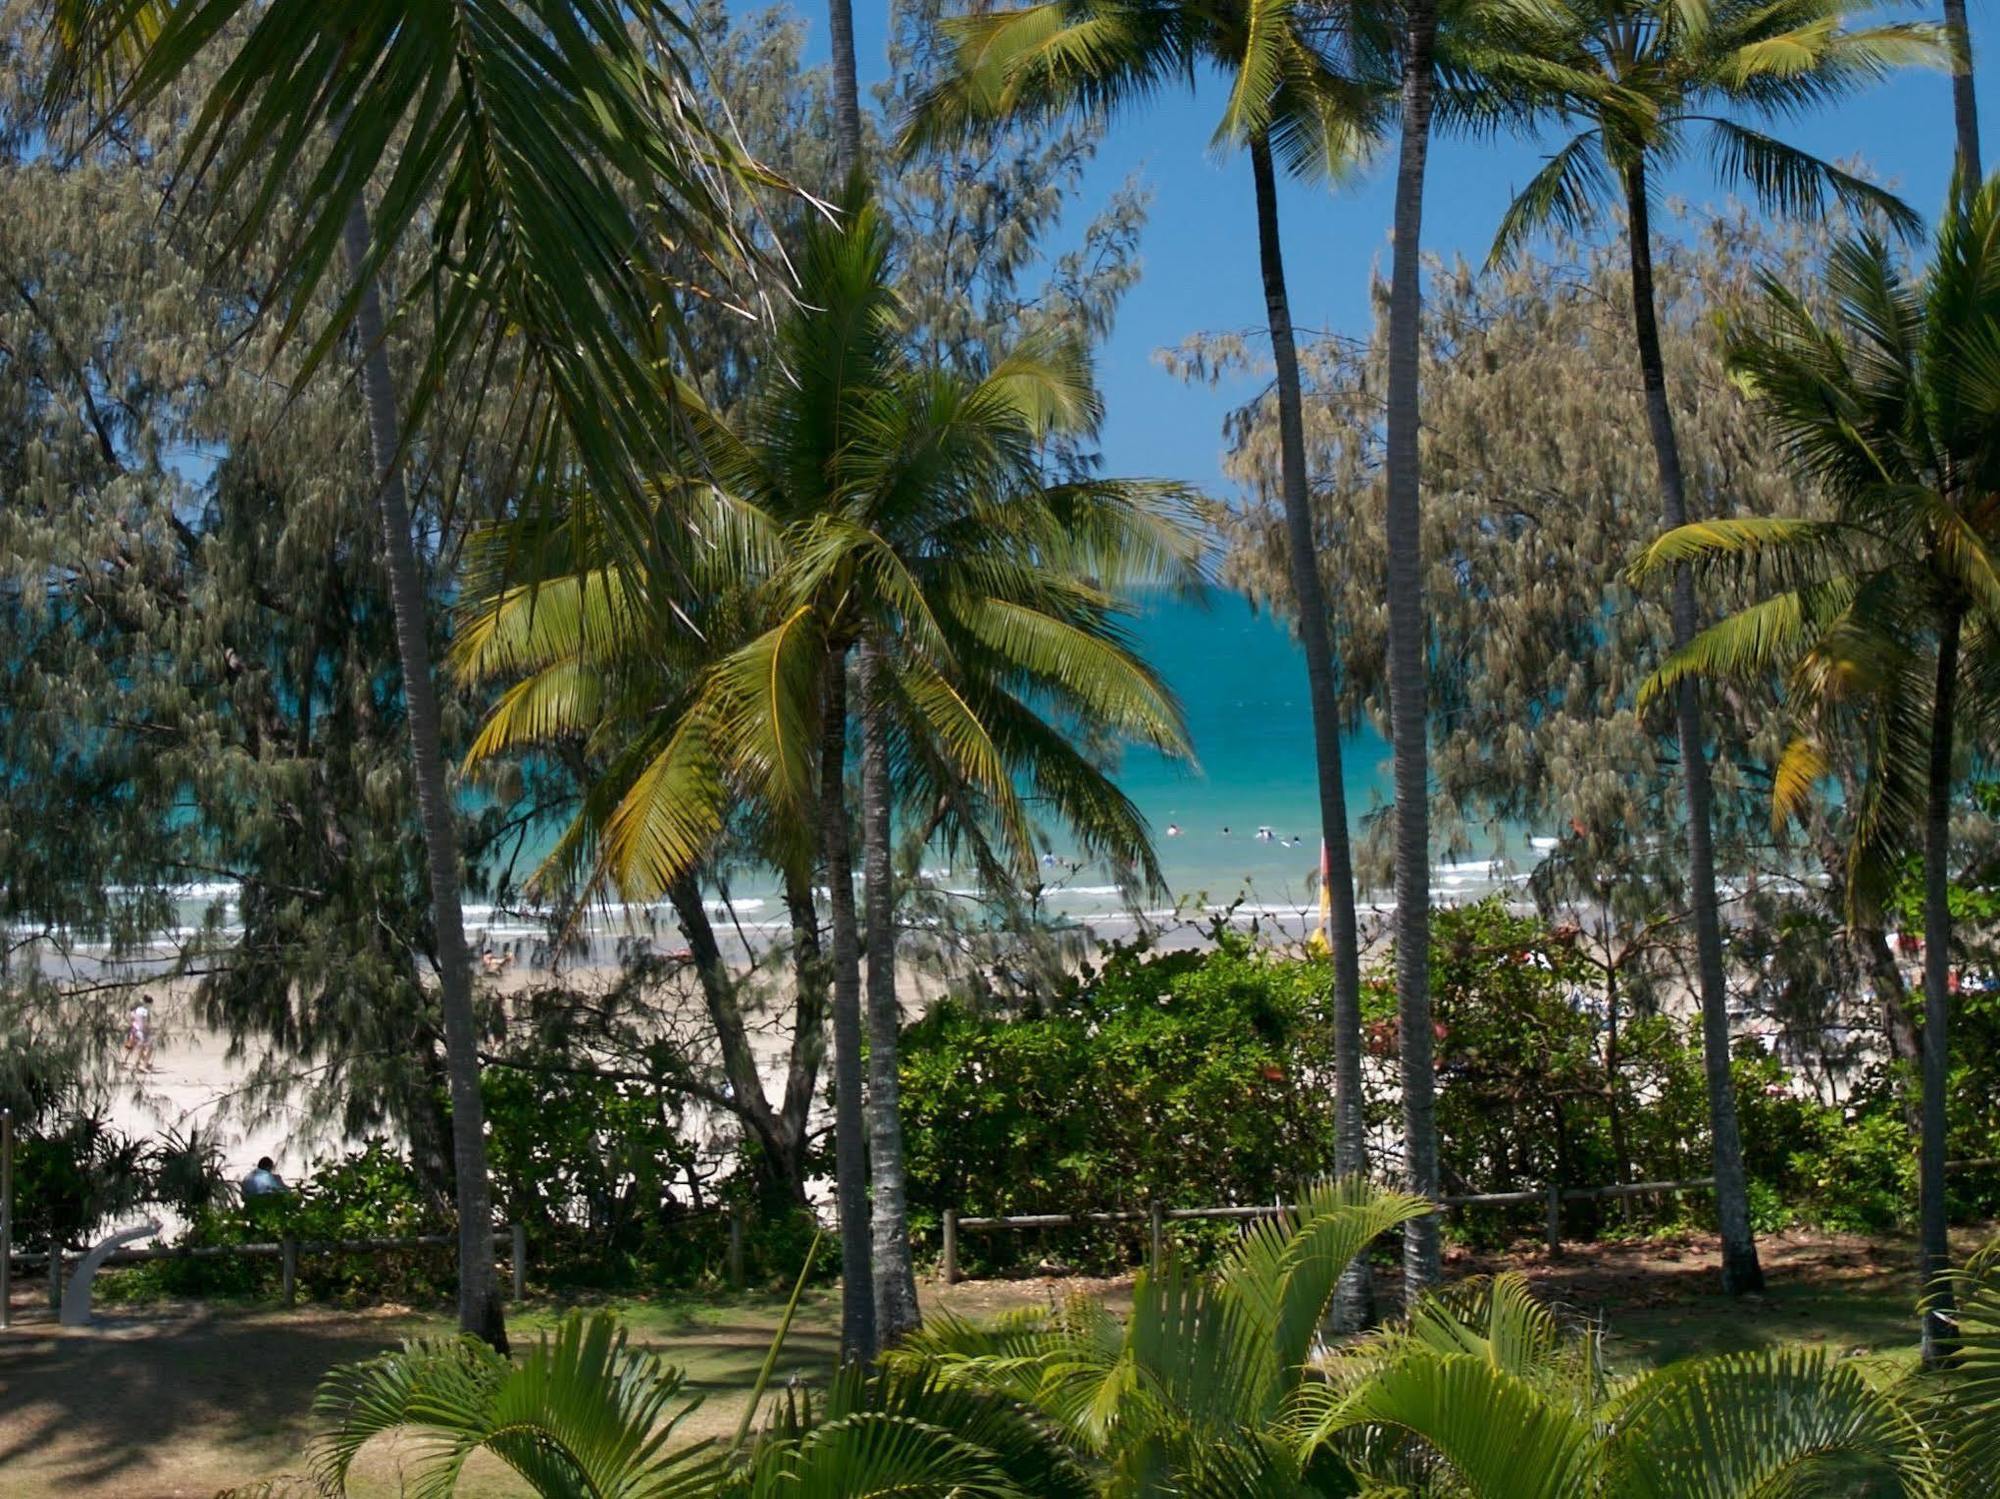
[1157, 1216]
[286, 1251]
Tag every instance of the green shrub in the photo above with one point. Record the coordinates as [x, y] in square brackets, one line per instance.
[371, 1193]
[1191, 1078]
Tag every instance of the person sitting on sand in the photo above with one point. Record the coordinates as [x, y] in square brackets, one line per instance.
[494, 963]
[139, 1035]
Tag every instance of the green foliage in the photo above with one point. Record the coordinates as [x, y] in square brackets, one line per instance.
[1201, 1078]
[1188, 1078]
[581, 1414]
[598, 1168]
[370, 1193]
[1216, 1388]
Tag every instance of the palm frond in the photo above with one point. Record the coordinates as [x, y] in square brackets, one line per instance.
[1762, 1422]
[1732, 538]
[542, 149]
[1562, 195]
[1789, 181]
[1968, 1413]
[580, 1414]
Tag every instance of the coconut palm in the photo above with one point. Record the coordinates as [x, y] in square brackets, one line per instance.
[584, 1416]
[1482, 1394]
[1637, 81]
[1307, 92]
[1887, 625]
[865, 500]
[1408, 674]
[537, 149]
[1964, 105]
[1190, 1392]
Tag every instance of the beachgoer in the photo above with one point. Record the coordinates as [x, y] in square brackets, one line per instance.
[264, 1181]
[1173, 830]
[1225, 830]
[139, 1035]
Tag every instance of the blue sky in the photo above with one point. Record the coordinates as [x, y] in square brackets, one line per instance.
[1200, 249]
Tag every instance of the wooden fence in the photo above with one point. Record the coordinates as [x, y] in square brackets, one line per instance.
[1157, 1216]
[286, 1251]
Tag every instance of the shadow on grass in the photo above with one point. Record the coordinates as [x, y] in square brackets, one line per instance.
[82, 1410]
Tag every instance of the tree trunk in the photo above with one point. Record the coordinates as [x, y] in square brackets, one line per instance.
[1740, 1271]
[478, 1302]
[783, 1159]
[1964, 107]
[846, 91]
[1408, 683]
[857, 1296]
[1621, 1151]
[1934, 1253]
[809, 1011]
[896, 1311]
[1350, 1145]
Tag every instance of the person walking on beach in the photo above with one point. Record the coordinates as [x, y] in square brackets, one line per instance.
[139, 1035]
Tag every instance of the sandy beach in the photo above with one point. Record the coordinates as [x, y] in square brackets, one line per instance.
[198, 1082]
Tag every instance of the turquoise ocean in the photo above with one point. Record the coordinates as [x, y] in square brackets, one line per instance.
[1240, 679]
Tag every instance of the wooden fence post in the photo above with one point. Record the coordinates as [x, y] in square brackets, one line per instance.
[1156, 1226]
[288, 1268]
[520, 1248]
[951, 1246]
[1555, 1227]
[737, 1278]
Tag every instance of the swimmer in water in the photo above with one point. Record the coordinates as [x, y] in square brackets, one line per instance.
[1173, 830]
[1225, 832]
[1265, 835]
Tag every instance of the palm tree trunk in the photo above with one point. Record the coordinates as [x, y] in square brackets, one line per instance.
[1964, 107]
[846, 91]
[1350, 1146]
[478, 1304]
[1740, 1271]
[1408, 682]
[857, 1295]
[896, 1311]
[1934, 1251]
[808, 1013]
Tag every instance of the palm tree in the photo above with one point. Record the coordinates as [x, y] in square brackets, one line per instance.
[1887, 629]
[1964, 106]
[585, 1415]
[1409, 684]
[865, 502]
[598, 669]
[1482, 1394]
[1636, 79]
[580, 1414]
[518, 153]
[1307, 92]
[1220, 1386]
[1192, 1392]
